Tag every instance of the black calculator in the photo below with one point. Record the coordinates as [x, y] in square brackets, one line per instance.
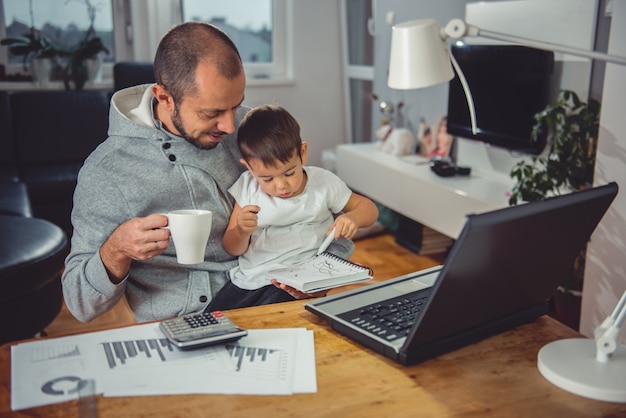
[198, 330]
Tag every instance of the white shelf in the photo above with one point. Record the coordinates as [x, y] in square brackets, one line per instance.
[414, 191]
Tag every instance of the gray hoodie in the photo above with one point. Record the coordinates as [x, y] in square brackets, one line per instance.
[140, 170]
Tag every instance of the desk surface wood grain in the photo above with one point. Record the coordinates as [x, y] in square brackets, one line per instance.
[496, 377]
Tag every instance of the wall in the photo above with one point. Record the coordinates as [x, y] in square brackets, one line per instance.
[605, 274]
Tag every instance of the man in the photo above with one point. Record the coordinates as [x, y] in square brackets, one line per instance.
[171, 145]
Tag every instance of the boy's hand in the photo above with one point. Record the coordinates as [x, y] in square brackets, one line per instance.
[346, 226]
[247, 221]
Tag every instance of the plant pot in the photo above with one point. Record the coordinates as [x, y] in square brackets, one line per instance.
[78, 74]
[40, 69]
[565, 307]
[94, 68]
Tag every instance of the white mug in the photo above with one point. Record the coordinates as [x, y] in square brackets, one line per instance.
[190, 230]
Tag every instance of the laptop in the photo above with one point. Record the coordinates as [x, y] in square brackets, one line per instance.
[500, 273]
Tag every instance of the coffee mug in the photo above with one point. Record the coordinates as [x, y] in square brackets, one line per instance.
[190, 230]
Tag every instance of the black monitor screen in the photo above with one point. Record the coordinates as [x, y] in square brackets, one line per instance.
[509, 85]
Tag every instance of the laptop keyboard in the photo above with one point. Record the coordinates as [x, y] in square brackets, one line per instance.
[391, 319]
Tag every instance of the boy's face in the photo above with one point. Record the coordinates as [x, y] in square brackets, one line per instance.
[285, 180]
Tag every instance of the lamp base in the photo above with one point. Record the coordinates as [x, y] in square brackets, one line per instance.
[571, 365]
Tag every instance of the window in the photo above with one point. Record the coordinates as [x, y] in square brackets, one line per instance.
[255, 27]
[131, 30]
[63, 22]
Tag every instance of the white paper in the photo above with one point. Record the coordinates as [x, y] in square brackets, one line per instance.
[138, 360]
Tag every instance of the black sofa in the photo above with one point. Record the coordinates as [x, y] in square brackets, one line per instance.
[46, 136]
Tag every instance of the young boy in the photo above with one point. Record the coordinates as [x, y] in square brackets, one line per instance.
[283, 209]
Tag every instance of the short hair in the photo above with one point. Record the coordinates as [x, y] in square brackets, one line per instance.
[269, 134]
[183, 47]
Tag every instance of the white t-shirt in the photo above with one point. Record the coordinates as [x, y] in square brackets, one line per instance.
[290, 230]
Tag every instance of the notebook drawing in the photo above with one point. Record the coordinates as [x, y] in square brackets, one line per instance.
[500, 273]
[323, 271]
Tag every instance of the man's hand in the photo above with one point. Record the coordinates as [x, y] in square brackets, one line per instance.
[135, 239]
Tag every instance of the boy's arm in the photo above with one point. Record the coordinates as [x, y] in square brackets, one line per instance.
[242, 223]
[359, 212]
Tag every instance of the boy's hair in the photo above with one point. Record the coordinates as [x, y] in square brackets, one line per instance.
[269, 134]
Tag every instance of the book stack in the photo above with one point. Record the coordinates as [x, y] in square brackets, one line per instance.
[434, 242]
[420, 238]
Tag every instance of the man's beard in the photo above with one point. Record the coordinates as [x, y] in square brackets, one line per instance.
[178, 124]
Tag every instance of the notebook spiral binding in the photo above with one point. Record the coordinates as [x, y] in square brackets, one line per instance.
[347, 262]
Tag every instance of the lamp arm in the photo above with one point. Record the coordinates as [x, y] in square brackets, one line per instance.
[457, 28]
[466, 89]
[610, 320]
[553, 47]
[607, 333]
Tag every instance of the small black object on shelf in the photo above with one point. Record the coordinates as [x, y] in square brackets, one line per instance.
[443, 167]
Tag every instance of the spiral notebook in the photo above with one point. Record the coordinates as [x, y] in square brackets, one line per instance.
[324, 271]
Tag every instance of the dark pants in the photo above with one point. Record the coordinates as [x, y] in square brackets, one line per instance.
[232, 297]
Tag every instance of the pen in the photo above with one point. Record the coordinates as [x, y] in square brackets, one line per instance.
[327, 241]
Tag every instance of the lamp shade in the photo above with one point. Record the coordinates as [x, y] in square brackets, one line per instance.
[419, 56]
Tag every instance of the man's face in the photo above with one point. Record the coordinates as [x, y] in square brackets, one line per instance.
[203, 119]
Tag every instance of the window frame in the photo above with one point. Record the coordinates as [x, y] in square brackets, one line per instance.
[278, 68]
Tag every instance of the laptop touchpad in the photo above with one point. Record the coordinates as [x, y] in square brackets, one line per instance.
[419, 283]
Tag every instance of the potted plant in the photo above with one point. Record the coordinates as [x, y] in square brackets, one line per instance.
[37, 52]
[83, 61]
[31, 45]
[35, 49]
[570, 127]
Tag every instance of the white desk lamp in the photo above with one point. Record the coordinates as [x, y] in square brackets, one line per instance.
[420, 57]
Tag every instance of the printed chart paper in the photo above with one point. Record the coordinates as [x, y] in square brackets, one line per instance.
[140, 361]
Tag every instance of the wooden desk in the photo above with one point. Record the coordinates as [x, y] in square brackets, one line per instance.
[496, 377]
